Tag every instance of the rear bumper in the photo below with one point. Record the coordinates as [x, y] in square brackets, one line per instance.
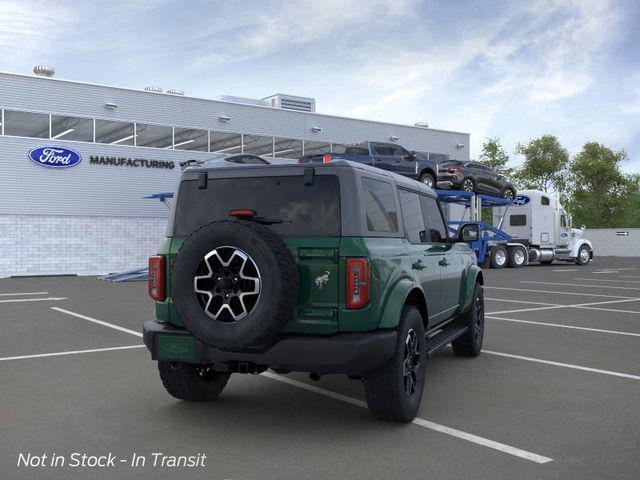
[350, 353]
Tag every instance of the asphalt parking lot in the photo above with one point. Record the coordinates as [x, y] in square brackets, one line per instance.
[555, 394]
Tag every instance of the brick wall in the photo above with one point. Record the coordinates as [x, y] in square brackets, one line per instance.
[50, 245]
[611, 242]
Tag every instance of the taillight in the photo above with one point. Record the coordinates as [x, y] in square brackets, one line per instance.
[156, 278]
[358, 282]
[326, 158]
[455, 169]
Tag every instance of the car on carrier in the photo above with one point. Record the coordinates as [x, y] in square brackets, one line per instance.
[386, 156]
[327, 268]
[474, 177]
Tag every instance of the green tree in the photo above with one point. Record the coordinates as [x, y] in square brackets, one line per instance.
[545, 164]
[600, 194]
[495, 156]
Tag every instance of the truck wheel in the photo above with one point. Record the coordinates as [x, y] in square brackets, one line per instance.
[470, 344]
[394, 390]
[234, 284]
[428, 180]
[583, 255]
[517, 257]
[192, 382]
[498, 255]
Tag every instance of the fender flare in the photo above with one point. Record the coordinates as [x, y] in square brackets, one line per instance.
[578, 244]
[395, 302]
[473, 275]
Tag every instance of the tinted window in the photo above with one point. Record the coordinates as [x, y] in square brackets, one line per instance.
[412, 216]
[26, 124]
[518, 220]
[544, 201]
[190, 139]
[157, 136]
[357, 151]
[115, 133]
[380, 206]
[287, 148]
[72, 128]
[381, 149]
[436, 229]
[222, 142]
[305, 210]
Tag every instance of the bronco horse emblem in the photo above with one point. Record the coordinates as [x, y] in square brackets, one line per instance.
[322, 280]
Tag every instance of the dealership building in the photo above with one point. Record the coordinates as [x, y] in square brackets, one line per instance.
[77, 160]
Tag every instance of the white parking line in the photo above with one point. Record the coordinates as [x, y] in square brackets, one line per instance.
[564, 365]
[581, 285]
[27, 293]
[605, 280]
[573, 327]
[99, 322]
[629, 276]
[556, 292]
[520, 301]
[70, 352]
[566, 270]
[19, 300]
[576, 305]
[533, 457]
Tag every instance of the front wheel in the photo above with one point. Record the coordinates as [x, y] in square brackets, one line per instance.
[192, 382]
[584, 255]
[428, 180]
[394, 390]
[470, 344]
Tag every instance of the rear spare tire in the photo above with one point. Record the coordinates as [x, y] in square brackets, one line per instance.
[234, 284]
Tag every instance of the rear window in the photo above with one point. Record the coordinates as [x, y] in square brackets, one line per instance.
[305, 210]
[357, 150]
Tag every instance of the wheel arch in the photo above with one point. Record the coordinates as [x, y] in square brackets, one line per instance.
[405, 292]
[474, 274]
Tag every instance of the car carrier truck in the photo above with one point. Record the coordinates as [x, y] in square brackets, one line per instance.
[534, 228]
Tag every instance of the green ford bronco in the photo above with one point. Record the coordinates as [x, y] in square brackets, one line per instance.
[330, 268]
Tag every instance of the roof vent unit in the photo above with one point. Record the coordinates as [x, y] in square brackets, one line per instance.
[44, 71]
[244, 100]
[291, 102]
[154, 88]
[175, 91]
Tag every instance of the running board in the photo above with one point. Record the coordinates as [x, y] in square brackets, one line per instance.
[443, 338]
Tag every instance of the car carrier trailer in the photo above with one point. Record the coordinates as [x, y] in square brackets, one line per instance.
[534, 228]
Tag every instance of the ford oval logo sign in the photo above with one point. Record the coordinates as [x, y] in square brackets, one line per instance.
[55, 157]
[521, 200]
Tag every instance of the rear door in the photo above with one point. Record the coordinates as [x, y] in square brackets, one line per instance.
[424, 263]
[446, 256]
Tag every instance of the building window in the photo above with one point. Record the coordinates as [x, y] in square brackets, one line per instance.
[339, 148]
[380, 206]
[316, 148]
[287, 148]
[190, 139]
[114, 133]
[226, 143]
[26, 124]
[156, 136]
[257, 145]
[71, 128]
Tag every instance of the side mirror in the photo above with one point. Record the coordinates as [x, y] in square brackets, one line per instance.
[469, 232]
[411, 156]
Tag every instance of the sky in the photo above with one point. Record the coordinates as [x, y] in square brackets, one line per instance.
[509, 69]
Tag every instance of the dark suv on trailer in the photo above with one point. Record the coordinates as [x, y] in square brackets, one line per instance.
[475, 177]
[330, 268]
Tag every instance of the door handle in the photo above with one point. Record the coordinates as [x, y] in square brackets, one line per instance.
[444, 262]
[418, 265]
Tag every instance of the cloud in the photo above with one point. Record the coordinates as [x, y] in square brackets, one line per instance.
[29, 29]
